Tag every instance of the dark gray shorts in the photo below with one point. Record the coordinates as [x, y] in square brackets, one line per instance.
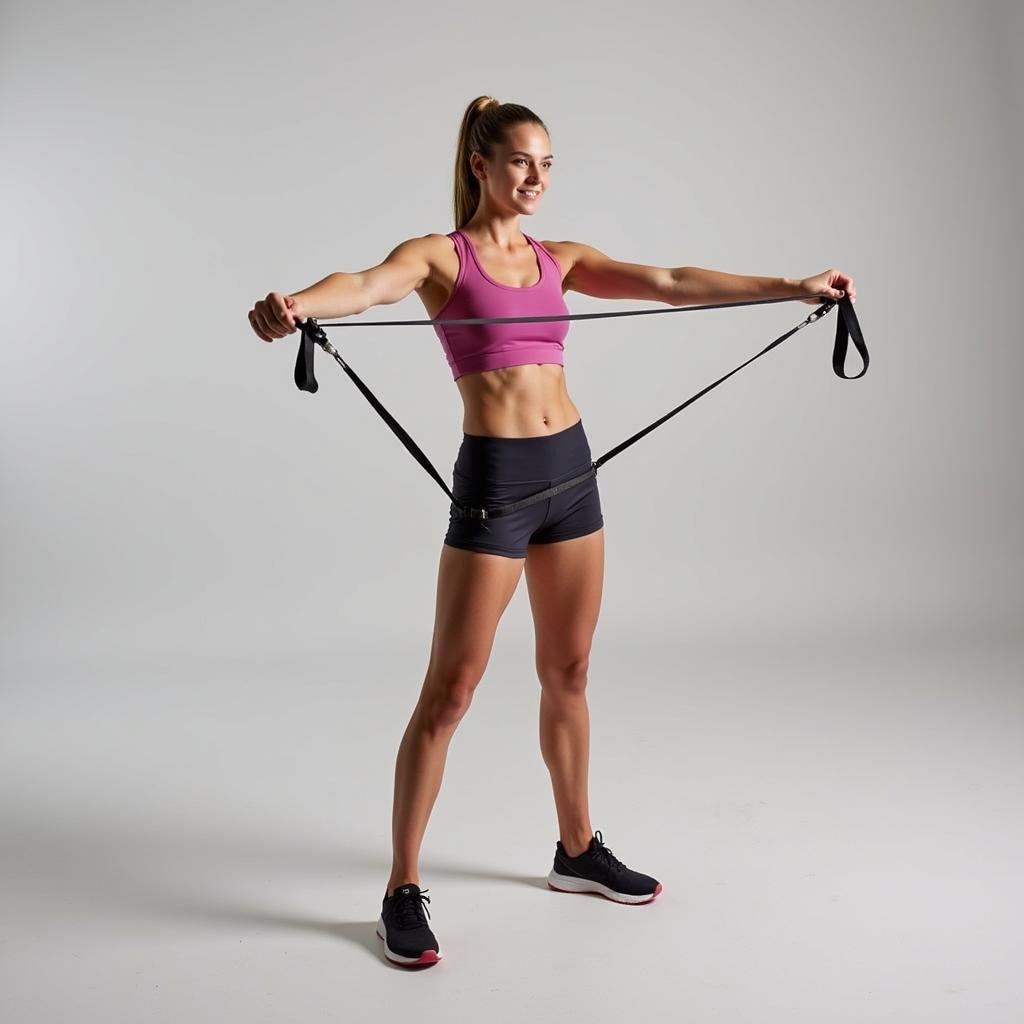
[493, 471]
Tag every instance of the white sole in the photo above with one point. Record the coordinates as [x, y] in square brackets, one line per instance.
[570, 883]
[397, 958]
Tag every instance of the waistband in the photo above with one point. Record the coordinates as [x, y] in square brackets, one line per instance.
[524, 458]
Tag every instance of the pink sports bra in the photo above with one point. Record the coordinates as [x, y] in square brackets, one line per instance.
[472, 348]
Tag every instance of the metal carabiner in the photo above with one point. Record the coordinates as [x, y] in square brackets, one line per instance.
[818, 314]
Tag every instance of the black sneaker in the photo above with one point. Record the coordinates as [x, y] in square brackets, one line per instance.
[403, 926]
[596, 869]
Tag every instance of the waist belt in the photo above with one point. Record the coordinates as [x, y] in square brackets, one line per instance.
[313, 334]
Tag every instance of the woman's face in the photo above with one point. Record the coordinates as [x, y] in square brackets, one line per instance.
[521, 164]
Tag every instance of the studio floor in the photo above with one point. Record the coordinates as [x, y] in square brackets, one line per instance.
[839, 834]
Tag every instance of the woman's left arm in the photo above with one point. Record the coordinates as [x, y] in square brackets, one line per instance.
[593, 273]
[695, 285]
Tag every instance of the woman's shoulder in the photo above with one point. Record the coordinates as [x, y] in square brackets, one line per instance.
[439, 248]
[565, 252]
[436, 249]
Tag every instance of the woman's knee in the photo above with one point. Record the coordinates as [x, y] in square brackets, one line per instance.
[448, 694]
[566, 677]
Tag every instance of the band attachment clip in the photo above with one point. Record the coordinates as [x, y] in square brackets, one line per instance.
[821, 311]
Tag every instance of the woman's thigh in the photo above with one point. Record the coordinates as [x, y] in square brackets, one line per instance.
[565, 581]
[473, 591]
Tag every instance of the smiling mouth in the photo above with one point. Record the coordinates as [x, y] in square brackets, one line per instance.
[529, 193]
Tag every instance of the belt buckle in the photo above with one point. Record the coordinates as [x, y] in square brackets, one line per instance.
[468, 512]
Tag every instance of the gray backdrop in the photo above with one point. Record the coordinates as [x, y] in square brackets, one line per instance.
[218, 590]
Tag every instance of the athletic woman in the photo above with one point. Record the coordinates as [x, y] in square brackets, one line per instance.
[521, 434]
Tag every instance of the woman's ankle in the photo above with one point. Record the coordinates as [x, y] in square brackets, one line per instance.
[407, 880]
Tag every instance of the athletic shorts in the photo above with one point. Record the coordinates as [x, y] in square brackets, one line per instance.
[492, 471]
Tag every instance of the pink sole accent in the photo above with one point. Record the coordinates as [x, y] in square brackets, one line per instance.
[428, 957]
[625, 903]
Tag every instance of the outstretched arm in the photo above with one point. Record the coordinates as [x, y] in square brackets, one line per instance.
[341, 294]
[404, 269]
[593, 273]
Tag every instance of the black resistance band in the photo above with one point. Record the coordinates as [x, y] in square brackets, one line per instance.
[313, 334]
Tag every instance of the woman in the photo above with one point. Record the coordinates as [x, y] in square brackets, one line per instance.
[521, 434]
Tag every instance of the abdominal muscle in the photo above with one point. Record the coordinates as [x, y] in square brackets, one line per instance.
[516, 401]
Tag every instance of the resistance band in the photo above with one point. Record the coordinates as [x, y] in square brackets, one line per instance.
[313, 334]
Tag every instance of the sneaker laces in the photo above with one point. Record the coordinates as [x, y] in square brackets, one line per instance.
[604, 854]
[409, 909]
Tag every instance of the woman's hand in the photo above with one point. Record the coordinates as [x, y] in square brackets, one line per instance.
[830, 284]
[275, 316]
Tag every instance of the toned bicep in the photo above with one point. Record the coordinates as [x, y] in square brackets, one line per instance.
[594, 273]
[404, 270]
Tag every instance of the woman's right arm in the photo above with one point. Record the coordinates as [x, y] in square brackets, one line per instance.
[404, 269]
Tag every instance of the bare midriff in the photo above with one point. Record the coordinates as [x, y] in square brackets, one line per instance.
[517, 401]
